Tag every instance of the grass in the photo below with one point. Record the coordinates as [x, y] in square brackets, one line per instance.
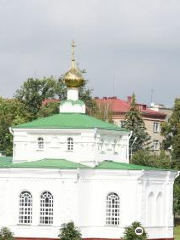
[177, 233]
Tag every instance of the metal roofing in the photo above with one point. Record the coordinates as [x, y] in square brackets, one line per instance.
[119, 106]
[125, 166]
[6, 162]
[47, 163]
[70, 121]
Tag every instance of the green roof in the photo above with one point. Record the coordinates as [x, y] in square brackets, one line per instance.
[70, 121]
[110, 165]
[6, 162]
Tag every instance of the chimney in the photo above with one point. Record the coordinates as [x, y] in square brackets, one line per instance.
[129, 99]
[144, 106]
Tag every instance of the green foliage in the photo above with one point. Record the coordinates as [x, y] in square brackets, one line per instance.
[104, 112]
[34, 91]
[176, 197]
[12, 112]
[68, 231]
[147, 158]
[48, 109]
[171, 131]
[6, 234]
[135, 123]
[129, 233]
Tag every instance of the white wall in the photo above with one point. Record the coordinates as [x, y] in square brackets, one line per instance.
[99, 144]
[83, 200]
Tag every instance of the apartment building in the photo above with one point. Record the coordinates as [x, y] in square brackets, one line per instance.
[152, 118]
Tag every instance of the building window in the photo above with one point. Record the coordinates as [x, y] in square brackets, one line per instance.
[40, 143]
[156, 127]
[70, 144]
[112, 209]
[122, 123]
[46, 208]
[25, 208]
[155, 145]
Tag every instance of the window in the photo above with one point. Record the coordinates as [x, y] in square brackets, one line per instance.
[70, 144]
[156, 127]
[122, 123]
[40, 143]
[155, 145]
[25, 208]
[46, 208]
[112, 209]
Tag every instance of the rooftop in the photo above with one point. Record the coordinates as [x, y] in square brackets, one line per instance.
[70, 121]
[6, 162]
[119, 106]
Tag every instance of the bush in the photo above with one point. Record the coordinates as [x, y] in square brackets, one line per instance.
[146, 158]
[6, 234]
[68, 231]
[129, 233]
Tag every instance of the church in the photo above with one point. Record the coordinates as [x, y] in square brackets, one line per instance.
[73, 167]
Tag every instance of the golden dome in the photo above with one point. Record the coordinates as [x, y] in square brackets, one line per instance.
[73, 78]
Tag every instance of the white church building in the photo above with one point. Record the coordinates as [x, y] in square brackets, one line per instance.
[73, 167]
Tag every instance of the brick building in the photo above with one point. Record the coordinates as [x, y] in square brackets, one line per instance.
[152, 118]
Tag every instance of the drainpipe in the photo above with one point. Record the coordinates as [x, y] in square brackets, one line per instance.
[11, 131]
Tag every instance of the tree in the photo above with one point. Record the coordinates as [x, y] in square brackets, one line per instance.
[171, 131]
[12, 112]
[147, 158]
[68, 231]
[48, 109]
[34, 91]
[129, 233]
[134, 122]
[104, 111]
[6, 234]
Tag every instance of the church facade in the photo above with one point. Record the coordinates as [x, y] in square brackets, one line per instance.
[73, 167]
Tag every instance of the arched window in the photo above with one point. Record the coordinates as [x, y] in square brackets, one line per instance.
[46, 208]
[112, 209]
[70, 144]
[40, 143]
[25, 208]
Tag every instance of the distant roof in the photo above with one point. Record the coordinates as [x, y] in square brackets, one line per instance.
[48, 163]
[70, 121]
[119, 106]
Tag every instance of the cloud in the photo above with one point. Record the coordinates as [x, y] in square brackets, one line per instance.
[138, 41]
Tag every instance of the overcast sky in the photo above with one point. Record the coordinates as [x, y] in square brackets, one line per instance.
[125, 45]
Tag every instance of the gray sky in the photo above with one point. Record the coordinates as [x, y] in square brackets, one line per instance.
[133, 43]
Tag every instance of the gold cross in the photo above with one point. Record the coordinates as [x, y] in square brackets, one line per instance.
[73, 57]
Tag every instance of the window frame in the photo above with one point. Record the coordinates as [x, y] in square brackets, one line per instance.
[70, 144]
[25, 208]
[40, 143]
[112, 213]
[157, 144]
[156, 127]
[46, 212]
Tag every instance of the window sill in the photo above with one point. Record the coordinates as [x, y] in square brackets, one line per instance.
[45, 225]
[24, 224]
